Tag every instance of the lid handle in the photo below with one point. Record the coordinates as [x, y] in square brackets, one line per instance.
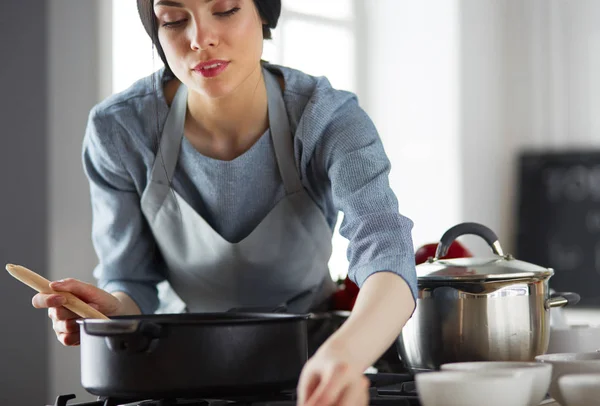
[468, 228]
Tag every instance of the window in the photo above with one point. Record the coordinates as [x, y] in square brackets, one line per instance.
[132, 56]
[315, 36]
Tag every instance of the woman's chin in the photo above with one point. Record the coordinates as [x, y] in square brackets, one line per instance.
[212, 88]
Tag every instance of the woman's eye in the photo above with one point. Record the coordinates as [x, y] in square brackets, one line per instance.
[173, 24]
[178, 23]
[228, 13]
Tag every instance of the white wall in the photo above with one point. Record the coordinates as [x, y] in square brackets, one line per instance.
[486, 152]
[530, 78]
[565, 44]
[413, 86]
[457, 88]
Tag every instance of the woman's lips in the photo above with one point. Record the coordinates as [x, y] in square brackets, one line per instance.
[211, 68]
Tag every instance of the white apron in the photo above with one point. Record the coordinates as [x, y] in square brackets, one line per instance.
[284, 258]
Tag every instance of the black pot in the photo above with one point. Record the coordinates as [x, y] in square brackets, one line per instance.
[321, 326]
[177, 355]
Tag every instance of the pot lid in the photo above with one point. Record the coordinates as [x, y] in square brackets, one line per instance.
[477, 269]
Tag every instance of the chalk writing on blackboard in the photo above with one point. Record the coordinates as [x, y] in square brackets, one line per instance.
[597, 257]
[592, 221]
[566, 257]
[575, 184]
[559, 218]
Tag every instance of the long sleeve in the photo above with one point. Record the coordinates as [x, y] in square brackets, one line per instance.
[129, 260]
[354, 159]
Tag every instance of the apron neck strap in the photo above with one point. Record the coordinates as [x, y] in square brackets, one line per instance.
[170, 142]
[281, 135]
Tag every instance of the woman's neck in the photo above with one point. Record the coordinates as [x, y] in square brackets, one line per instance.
[232, 120]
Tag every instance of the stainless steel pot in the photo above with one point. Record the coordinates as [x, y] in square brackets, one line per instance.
[492, 308]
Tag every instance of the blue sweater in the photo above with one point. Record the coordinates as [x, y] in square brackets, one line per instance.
[339, 156]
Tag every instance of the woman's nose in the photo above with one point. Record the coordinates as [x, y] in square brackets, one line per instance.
[203, 37]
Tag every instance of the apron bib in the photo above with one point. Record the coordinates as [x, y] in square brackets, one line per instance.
[284, 259]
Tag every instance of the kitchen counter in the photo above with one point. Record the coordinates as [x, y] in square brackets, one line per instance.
[582, 316]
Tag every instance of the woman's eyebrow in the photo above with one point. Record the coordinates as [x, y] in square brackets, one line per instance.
[171, 3]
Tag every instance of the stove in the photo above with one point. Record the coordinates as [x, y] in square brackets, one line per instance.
[396, 389]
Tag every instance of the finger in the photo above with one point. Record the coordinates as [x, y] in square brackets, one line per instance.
[99, 299]
[355, 394]
[85, 291]
[66, 326]
[44, 300]
[309, 382]
[330, 387]
[68, 339]
[61, 313]
[75, 286]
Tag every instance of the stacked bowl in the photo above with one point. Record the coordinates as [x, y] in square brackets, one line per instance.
[485, 383]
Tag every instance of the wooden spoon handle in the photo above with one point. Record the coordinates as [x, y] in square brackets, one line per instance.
[42, 285]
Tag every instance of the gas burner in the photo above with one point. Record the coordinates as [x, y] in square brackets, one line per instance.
[386, 389]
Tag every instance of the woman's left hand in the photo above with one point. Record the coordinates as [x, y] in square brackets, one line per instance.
[328, 379]
[334, 376]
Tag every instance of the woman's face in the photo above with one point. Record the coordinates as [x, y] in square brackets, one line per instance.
[212, 46]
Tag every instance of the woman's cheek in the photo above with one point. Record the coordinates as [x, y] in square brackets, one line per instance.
[173, 51]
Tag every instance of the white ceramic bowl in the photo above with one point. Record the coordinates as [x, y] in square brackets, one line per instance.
[578, 338]
[541, 374]
[489, 388]
[580, 389]
[569, 363]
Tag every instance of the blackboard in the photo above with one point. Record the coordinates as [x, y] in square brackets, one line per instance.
[558, 219]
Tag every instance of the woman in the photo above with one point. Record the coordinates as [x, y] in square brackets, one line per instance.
[224, 175]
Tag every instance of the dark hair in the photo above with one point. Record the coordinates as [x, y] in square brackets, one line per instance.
[269, 11]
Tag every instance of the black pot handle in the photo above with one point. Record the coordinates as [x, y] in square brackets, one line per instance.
[468, 228]
[122, 327]
[562, 299]
[127, 336]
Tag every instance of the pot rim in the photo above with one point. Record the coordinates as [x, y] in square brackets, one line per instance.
[478, 269]
[201, 318]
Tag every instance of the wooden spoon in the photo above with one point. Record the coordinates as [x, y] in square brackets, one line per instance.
[42, 285]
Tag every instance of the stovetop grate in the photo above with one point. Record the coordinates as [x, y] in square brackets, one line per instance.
[386, 390]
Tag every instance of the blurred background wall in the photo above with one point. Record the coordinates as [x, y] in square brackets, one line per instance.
[24, 213]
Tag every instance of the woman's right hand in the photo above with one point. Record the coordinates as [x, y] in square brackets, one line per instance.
[64, 321]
